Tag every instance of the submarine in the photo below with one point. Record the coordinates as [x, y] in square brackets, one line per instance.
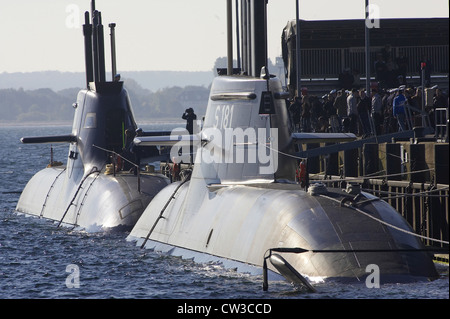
[242, 206]
[102, 185]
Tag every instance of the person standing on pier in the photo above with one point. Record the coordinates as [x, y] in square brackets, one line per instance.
[340, 104]
[377, 110]
[352, 110]
[295, 109]
[306, 111]
[364, 106]
[398, 110]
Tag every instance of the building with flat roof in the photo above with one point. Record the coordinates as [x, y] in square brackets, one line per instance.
[331, 48]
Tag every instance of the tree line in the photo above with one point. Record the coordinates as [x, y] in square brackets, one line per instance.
[46, 105]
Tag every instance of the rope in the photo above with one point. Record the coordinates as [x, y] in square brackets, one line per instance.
[355, 178]
[117, 154]
[285, 154]
[368, 215]
[387, 224]
[381, 176]
[409, 195]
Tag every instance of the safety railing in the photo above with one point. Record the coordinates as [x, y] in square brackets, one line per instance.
[425, 206]
[410, 111]
[441, 122]
[113, 168]
[330, 62]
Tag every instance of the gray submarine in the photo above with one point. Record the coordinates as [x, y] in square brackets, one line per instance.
[101, 186]
[241, 204]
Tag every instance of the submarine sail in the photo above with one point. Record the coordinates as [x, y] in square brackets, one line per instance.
[242, 199]
[102, 185]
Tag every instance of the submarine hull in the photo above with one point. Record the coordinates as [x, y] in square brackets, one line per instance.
[94, 202]
[241, 202]
[240, 210]
[241, 223]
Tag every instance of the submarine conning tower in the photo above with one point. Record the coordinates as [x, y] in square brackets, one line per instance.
[103, 115]
[246, 121]
[95, 189]
[103, 110]
[236, 135]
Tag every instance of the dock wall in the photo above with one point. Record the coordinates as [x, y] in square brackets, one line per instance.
[411, 176]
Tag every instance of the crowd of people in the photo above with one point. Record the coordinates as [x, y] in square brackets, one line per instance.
[392, 106]
[355, 112]
[390, 70]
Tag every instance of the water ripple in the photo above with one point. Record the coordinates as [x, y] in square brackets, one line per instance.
[34, 254]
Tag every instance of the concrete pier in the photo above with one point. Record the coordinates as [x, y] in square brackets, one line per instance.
[412, 176]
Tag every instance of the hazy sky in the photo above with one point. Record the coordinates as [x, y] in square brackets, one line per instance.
[179, 35]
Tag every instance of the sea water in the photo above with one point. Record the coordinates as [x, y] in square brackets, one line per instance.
[40, 260]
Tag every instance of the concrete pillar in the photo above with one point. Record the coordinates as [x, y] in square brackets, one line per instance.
[313, 162]
[441, 163]
[417, 163]
[393, 161]
[351, 163]
[370, 158]
[332, 163]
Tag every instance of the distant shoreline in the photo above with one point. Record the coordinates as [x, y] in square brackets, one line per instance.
[58, 80]
[171, 120]
[22, 124]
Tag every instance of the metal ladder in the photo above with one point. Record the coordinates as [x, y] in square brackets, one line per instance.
[163, 210]
[94, 170]
[84, 197]
[49, 191]
[441, 119]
